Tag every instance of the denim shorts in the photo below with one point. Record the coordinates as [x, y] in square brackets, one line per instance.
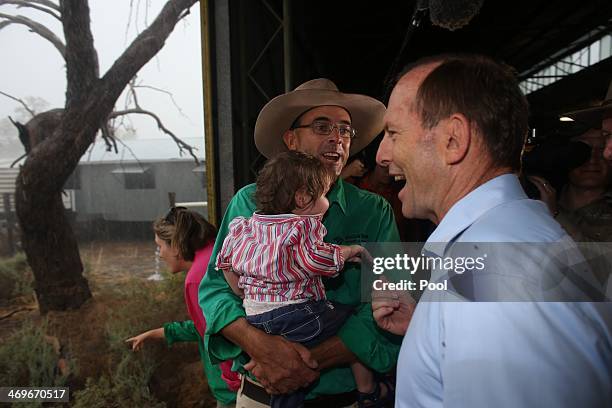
[308, 323]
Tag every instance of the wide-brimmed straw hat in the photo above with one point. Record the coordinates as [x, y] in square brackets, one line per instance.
[279, 114]
[594, 115]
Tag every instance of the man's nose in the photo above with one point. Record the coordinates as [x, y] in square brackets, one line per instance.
[383, 155]
[334, 136]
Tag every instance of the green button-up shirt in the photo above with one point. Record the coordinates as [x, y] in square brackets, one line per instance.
[354, 216]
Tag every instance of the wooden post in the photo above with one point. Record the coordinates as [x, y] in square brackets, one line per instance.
[6, 198]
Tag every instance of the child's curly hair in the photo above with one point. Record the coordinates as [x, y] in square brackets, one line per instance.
[282, 176]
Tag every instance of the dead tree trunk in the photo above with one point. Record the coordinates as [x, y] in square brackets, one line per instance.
[48, 239]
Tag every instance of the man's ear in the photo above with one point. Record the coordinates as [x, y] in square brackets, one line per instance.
[458, 137]
[290, 139]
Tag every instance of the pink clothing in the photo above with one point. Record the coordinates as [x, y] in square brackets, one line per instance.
[192, 283]
[280, 257]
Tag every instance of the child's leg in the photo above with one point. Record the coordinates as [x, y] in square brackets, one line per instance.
[364, 378]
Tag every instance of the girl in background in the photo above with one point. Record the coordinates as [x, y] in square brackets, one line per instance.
[185, 240]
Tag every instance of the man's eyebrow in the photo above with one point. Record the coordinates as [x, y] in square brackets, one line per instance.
[325, 118]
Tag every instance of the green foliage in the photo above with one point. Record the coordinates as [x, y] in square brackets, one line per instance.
[145, 306]
[128, 386]
[15, 277]
[28, 359]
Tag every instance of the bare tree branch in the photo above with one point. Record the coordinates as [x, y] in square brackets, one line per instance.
[109, 138]
[90, 101]
[178, 108]
[146, 45]
[181, 145]
[133, 92]
[31, 4]
[25, 105]
[46, 3]
[129, 149]
[17, 160]
[37, 28]
[82, 68]
[23, 309]
[184, 14]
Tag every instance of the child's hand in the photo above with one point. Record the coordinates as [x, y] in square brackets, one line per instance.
[136, 342]
[354, 253]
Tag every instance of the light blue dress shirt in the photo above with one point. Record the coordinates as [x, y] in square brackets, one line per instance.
[461, 353]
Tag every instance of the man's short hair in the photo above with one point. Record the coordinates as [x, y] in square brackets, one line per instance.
[486, 92]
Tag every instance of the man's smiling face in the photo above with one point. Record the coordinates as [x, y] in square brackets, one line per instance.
[408, 149]
[332, 149]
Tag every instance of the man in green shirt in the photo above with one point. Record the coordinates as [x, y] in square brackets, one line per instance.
[317, 119]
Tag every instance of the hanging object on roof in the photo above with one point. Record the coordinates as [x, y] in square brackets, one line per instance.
[453, 14]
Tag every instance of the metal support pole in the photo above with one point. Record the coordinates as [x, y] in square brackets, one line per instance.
[209, 139]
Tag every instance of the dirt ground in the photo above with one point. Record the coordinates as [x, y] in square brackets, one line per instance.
[112, 263]
[178, 380]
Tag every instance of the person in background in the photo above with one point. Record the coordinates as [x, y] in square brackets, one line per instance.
[185, 240]
[584, 207]
[598, 117]
[354, 170]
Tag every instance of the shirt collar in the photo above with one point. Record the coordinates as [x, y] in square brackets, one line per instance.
[465, 212]
[281, 218]
[337, 195]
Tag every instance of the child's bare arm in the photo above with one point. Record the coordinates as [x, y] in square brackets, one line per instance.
[232, 280]
[136, 342]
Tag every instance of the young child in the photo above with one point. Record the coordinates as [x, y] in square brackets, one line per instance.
[276, 259]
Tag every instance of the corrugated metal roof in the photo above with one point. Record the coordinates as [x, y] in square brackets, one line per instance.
[131, 170]
[143, 150]
[137, 150]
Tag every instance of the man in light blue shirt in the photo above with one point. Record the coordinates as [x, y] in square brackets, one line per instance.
[454, 129]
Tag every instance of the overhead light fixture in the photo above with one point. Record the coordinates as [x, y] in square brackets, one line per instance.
[566, 119]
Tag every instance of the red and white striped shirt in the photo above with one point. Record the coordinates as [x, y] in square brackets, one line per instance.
[280, 258]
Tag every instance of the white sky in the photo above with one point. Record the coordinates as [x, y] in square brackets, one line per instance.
[31, 66]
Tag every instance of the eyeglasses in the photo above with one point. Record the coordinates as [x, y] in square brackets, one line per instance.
[170, 216]
[324, 128]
